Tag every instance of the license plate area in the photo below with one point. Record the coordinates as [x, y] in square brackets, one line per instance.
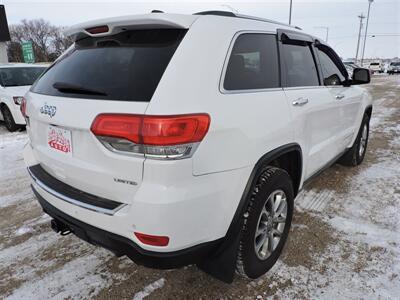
[59, 140]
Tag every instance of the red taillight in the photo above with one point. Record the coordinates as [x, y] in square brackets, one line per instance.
[119, 126]
[153, 130]
[97, 29]
[174, 130]
[23, 107]
[152, 240]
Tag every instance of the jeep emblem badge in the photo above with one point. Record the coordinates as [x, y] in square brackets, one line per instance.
[48, 110]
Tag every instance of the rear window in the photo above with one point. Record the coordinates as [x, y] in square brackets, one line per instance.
[19, 76]
[125, 67]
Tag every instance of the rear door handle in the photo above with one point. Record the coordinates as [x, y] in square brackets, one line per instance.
[339, 97]
[300, 102]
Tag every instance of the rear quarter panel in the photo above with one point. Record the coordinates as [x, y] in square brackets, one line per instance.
[244, 126]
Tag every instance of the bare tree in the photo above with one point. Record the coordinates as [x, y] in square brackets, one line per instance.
[60, 42]
[48, 40]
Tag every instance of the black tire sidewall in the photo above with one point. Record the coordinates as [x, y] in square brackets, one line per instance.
[9, 122]
[252, 265]
[360, 158]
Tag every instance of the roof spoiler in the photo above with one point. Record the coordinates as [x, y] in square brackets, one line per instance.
[116, 25]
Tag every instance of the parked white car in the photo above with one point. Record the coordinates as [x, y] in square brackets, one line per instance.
[181, 139]
[15, 81]
[376, 67]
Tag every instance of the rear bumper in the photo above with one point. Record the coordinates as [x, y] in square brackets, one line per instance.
[123, 246]
[190, 210]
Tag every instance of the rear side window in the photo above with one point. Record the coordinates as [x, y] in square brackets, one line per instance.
[253, 63]
[127, 66]
[299, 64]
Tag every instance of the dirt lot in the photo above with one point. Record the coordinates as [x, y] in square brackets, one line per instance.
[345, 240]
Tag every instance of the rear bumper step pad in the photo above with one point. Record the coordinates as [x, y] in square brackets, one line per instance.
[70, 194]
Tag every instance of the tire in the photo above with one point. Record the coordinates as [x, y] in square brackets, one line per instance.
[8, 119]
[271, 184]
[355, 155]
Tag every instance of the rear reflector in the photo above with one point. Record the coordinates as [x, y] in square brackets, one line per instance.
[152, 240]
[172, 137]
[98, 29]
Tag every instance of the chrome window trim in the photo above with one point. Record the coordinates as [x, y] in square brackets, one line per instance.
[290, 88]
[74, 201]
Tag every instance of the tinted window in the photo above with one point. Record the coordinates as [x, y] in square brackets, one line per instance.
[253, 63]
[127, 66]
[300, 66]
[330, 71]
[20, 76]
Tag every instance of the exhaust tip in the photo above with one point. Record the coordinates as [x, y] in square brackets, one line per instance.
[59, 227]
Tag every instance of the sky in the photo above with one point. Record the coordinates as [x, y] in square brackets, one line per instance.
[340, 16]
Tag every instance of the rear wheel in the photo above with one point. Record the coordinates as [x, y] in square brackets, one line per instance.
[8, 119]
[266, 223]
[355, 155]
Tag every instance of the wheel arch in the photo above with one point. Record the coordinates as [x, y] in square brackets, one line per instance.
[2, 105]
[222, 264]
[368, 111]
[288, 157]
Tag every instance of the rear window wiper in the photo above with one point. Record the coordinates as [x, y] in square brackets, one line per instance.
[69, 88]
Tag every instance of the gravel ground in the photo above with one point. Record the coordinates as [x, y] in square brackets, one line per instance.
[345, 239]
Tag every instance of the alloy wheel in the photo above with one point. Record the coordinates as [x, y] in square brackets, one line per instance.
[271, 224]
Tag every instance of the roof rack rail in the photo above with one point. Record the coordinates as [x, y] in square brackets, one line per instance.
[231, 14]
[216, 13]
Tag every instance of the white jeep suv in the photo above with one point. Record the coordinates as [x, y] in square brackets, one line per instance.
[180, 139]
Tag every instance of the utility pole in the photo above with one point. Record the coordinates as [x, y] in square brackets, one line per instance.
[366, 31]
[359, 34]
[290, 13]
[231, 8]
[327, 31]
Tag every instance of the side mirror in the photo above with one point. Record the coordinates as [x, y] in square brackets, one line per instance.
[334, 79]
[361, 76]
